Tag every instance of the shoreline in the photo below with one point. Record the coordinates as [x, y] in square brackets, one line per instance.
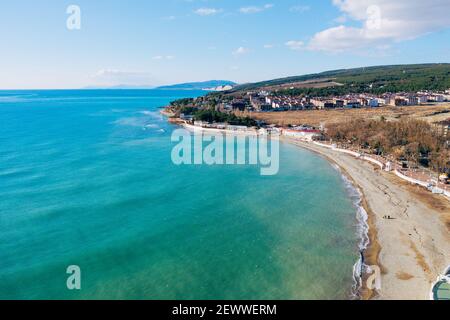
[372, 248]
[413, 247]
[408, 227]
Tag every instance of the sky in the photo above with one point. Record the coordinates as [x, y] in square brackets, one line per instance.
[58, 44]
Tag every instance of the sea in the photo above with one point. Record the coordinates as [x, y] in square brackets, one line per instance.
[87, 180]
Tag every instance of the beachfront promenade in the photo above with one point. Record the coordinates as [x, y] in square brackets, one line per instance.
[419, 177]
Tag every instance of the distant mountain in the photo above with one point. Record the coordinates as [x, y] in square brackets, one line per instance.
[205, 85]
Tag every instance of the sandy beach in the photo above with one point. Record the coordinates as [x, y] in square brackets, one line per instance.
[412, 248]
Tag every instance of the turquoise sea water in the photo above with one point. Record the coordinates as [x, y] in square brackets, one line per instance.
[86, 179]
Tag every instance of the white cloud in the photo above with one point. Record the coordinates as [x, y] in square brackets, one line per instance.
[268, 46]
[240, 51]
[382, 21]
[299, 8]
[207, 11]
[169, 57]
[255, 9]
[295, 45]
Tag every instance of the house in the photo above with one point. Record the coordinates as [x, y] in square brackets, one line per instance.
[186, 117]
[422, 99]
[382, 101]
[413, 101]
[349, 103]
[373, 103]
[363, 102]
[239, 105]
[438, 98]
[323, 104]
[265, 107]
[400, 102]
[236, 128]
[339, 103]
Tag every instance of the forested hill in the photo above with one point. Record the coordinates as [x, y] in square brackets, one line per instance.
[379, 79]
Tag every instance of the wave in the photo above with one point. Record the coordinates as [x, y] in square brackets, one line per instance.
[15, 98]
[362, 231]
[153, 114]
[131, 122]
[147, 120]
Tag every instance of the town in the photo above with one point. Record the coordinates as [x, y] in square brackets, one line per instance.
[265, 101]
[240, 113]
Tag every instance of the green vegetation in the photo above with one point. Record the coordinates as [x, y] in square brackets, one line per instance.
[317, 92]
[203, 109]
[182, 102]
[212, 116]
[377, 80]
[411, 140]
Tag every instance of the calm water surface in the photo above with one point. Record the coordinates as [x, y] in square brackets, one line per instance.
[86, 179]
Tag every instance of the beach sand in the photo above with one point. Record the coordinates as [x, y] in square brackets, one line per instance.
[413, 248]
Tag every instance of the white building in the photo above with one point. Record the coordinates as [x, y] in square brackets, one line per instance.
[236, 128]
[413, 101]
[422, 99]
[307, 135]
[438, 98]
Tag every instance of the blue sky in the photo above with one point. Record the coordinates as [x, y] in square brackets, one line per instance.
[139, 42]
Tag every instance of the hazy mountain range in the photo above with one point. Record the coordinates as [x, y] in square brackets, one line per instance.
[210, 84]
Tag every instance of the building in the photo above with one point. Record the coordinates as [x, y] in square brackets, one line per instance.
[339, 103]
[236, 128]
[239, 105]
[373, 103]
[413, 101]
[329, 105]
[438, 98]
[323, 103]
[349, 103]
[303, 134]
[186, 117]
[423, 99]
[400, 102]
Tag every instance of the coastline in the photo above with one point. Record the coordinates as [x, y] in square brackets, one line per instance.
[413, 247]
[408, 227]
[372, 248]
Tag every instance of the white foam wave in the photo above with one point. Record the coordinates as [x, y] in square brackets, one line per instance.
[131, 122]
[362, 230]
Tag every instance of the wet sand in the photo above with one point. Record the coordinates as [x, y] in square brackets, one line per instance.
[412, 247]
